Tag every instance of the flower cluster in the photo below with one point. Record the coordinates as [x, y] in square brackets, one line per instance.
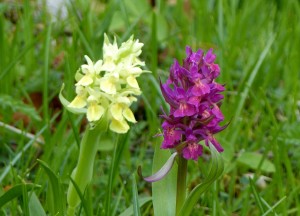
[194, 98]
[108, 87]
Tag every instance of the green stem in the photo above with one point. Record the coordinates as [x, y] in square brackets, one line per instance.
[181, 183]
[82, 173]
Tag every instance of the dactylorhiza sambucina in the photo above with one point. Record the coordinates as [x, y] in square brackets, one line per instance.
[194, 98]
[108, 87]
[105, 90]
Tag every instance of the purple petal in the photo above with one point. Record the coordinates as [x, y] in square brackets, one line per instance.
[188, 51]
[168, 94]
[215, 98]
[209, 57]
[192, 151]
[174, 71]
[217, 112]
[200, 88]
[171, 136]
[215, 70]
[163, 171]
[185, 109]
[194, 101]
[213, 140]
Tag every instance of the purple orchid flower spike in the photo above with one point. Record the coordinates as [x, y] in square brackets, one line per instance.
[194, 98]
[195, 115]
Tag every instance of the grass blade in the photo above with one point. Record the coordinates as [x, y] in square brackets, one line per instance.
[84, 203]
[55, 192]
[135, 201]
[14, 192]
[35, 206]
[256, 196]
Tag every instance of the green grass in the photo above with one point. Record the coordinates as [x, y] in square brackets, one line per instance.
[257, 46]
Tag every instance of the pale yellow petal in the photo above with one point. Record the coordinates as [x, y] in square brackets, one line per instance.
[78, 74]
[98, 66]
[116, 111]
[85, 69]
[132, 82]
[109, 65]
[127, 113]
[85, 80]
[89, 61]
[78, 102]
[108, 86]
[123, 100]
[119, 126]
[106, 39]
[94, 112]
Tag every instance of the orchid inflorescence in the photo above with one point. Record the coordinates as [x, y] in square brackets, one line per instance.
[108, 87]
[194, 98]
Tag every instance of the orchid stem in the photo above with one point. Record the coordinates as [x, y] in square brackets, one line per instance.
[83, 172]
[181, 183]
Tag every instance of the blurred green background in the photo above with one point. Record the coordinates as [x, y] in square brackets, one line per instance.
[257, 45]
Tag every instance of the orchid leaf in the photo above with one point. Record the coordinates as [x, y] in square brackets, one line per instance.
[163, 191]
[217, 168]
[164, 170]
[65, 103]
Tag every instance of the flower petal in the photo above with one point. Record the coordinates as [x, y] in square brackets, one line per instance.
[85, 80]
[78, 102]
[116, 111]
[192, 151]
[66, 103]
[119, 126]
[132, 82]
[185, 109]
[94, 112]
[127, 113]
[89, 61]
[108, 86]
[98, 66]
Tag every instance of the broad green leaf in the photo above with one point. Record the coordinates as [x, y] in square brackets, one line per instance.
[216, 169]
[142, 201]
[163, 191]
[35, 207]
[55, 193]
[14, 192]
[253, 160]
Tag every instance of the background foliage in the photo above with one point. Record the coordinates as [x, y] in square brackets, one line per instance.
[257, 46]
